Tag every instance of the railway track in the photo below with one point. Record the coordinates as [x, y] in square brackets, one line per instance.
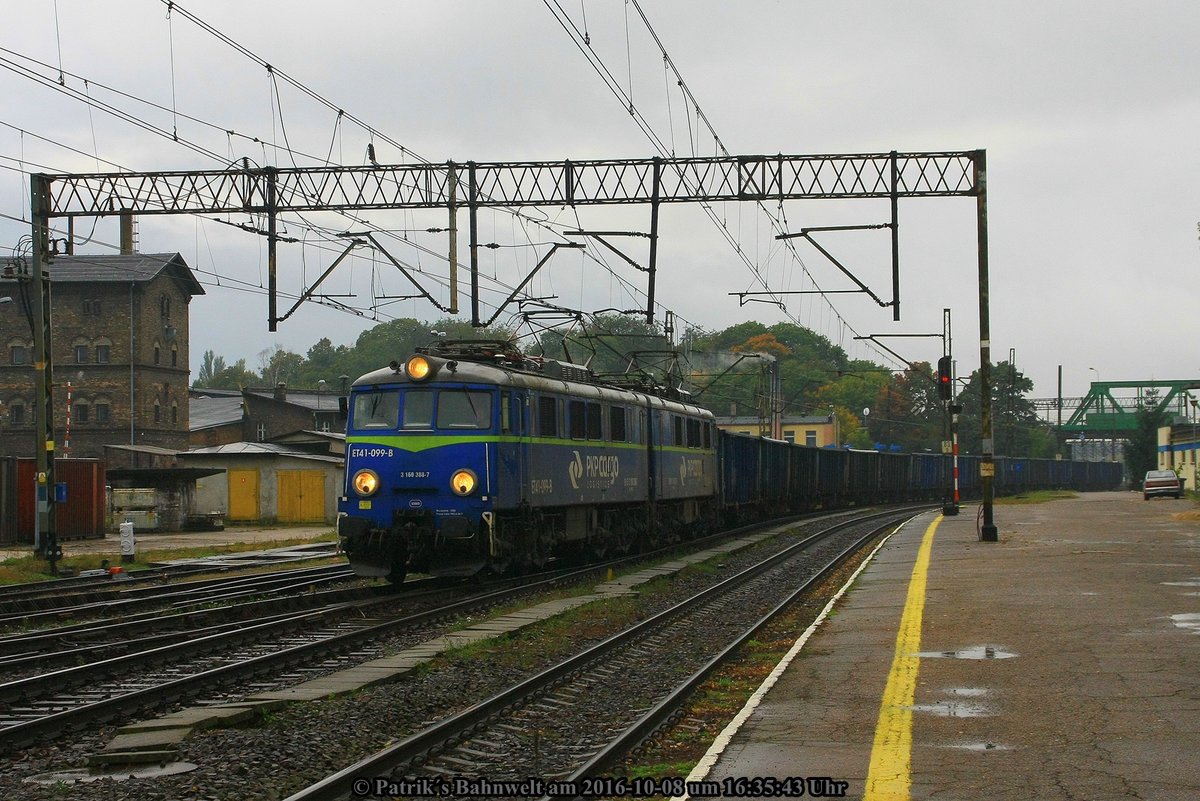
[579, 717]
[15, 598]
[289, 647]
[123, 600]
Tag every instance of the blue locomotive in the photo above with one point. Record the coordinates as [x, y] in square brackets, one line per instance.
[473, 456]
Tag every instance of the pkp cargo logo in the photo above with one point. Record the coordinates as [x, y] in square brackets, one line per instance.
[575, 470]
[595, 471]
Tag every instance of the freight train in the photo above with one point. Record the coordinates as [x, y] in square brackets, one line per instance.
[471, 456]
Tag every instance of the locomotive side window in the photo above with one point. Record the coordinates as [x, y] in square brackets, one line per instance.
[505, 412]
[595, 418]
[707, 436]
[576, 422]
[547, 416]
[616, 423]
[464, 409]
[418, 408]
[693, 433]
[376, 409]
[677, 425]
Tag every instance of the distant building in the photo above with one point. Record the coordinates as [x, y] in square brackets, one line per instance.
[223, 416]
[119, 334]
[271, 454]
[818, 431]
[1178, 446]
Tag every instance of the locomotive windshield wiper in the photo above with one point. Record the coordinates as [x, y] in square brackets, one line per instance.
[474, 411]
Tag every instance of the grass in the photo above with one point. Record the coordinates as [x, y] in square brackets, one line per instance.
[30, 568]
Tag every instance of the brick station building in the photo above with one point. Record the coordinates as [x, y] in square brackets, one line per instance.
[119, 332]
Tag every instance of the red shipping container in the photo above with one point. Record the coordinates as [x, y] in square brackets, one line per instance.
[81, 517]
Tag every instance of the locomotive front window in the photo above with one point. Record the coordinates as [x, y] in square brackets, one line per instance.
[464, 409]
[376, 409]
[418, 408]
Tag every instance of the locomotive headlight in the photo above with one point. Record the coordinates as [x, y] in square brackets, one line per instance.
[463, 482]
[365, 482]
[418, 368]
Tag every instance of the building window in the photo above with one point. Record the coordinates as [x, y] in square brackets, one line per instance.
[157, 353]
[810, 438]
[262, 432]
[174, 355]
[164, 307]
[18, 353]
[789, 436]
[91, 307]
[174, 413]
[81, 354]
[16, 414]
[102, 413]
[157, 411]
[103, 354]
[80, 413]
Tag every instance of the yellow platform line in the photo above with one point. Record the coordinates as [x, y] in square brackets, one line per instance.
[890, 774]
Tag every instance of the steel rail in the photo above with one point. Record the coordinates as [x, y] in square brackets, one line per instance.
[419, 746]
[654, 719]
[119, 600]
[56, 587]
[125, 704]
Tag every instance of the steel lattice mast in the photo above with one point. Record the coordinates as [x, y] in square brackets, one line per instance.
[475, 185]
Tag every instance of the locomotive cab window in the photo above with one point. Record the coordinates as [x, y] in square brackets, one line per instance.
[376, 409]
[466, 409]
[418, 409]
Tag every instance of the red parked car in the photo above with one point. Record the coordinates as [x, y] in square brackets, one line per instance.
[1161, 482]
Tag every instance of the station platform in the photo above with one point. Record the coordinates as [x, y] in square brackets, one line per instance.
[1062, 662]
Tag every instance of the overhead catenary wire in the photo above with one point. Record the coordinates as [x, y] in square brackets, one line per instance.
[173, 133]
[568, 25]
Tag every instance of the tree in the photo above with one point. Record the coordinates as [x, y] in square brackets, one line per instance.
[211, 366]
[1016, 428]
[280, 366]
[1141, 452]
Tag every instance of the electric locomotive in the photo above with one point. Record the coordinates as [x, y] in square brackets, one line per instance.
[472, 456]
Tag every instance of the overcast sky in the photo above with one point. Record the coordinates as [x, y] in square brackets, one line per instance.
[1089, 112]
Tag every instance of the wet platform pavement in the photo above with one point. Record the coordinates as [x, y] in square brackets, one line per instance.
[1062, 662]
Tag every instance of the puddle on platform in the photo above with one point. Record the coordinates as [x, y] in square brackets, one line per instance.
[1189, 583]
[1189, 621]
[967, 692]
[952, 709]
[974, 652]
[981, 747]
[83, 775]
